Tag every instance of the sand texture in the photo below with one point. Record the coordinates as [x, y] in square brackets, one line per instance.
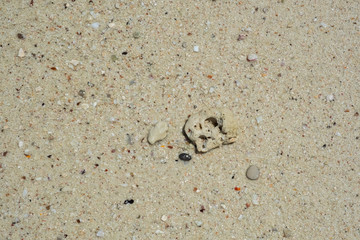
[83, 82]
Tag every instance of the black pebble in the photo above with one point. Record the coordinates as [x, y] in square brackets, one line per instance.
[185, 157]
[129, 201]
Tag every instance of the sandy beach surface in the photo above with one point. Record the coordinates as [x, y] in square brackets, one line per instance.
[83, 82]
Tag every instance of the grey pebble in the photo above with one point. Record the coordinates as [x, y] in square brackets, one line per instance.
[253, 172]
[136, 35]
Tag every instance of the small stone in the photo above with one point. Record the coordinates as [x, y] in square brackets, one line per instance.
[255, 199]
[21, 144]
[136, 35]
[114, 58]
[81, 93]
[259, 119]
[287, 233]
[163, 218]
[129, 201]
[158, 132]
[95, 25]
[25, 192]
[20, 36]
[324, 25]
[252, 57]
[185, 157]
[252, 172]
[196, 48]
[38, 88]
[240, 217]
[100, 234]
[211, 90]
[198, 223]
[21, 53]
[111, 25]
[184, 45]
[330, 98]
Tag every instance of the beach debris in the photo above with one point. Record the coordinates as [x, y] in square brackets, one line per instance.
[253, 172]
[158, 132]
[211, 128]
[184, 157]
[21, 53]
[100, 233]
[198, 223]
[252, 57]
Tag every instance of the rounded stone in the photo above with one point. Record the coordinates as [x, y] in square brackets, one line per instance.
[253, 172]
[185, 157]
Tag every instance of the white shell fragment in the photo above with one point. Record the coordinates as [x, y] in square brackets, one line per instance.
[211, 128]
[21, 53]
[158, 132]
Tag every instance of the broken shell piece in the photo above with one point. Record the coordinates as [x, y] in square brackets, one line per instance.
[211, 128]
[158, 132]
[21, 53]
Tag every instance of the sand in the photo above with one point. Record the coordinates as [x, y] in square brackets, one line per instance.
[93, 77]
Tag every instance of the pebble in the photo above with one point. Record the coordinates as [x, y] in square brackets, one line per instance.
[21, 144]
[259, 119]
[184, 156]
[252, 57]
[163, 218]
[100, 234]
[255, 199]
[136, 35]
[158, 132]
[95, 25]
[252, 172]
[198, 223]
[196, 48]
[330, 98]
[128, 201]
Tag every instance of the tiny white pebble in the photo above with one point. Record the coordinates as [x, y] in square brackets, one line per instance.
[211, 90]
[159, 232]
[21, 144]
[252, 57]
[21, 53]
[324, 25]
[111, 25]
[330, 98]
[38, 89]
[100, 234]
[95, 25]
[240, 217]
[25, 192]
[259, 119]
[163, 218]
[255, 199]
[196, 48]
[338, 134]
[198, 223]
